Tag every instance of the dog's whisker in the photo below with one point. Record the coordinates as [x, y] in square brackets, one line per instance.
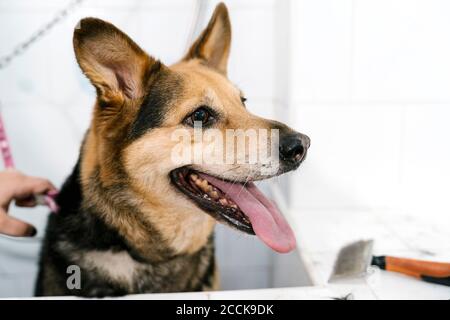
[243, 186]
[235, 180]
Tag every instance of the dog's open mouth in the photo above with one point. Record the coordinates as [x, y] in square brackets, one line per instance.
[243, 206]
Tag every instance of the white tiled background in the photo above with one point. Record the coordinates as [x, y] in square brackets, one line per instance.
[370, 83]
[367, 80]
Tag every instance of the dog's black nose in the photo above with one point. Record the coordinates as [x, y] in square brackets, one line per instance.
[293, 147]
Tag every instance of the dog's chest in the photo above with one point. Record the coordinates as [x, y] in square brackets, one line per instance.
[121, 270]
[117, 267]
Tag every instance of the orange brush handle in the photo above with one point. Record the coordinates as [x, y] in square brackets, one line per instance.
[434, 272]
[418, 268]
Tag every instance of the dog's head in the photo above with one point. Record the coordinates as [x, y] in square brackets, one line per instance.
[148, 114]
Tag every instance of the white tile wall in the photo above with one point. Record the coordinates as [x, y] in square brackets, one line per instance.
[372, 91]
[321, 50]
[401, 50]
[253, 48]
[354, 158]
[426, 154]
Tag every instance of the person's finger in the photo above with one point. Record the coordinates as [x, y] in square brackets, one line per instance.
[40, 185]
[27, 202]
[32, 185]
[15, 227]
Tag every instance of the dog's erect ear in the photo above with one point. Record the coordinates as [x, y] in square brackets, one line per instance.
[115, 65]
[213, 45]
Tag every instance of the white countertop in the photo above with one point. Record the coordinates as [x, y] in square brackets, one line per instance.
[320, 235]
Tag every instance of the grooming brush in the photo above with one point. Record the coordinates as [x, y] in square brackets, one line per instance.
[354, 259]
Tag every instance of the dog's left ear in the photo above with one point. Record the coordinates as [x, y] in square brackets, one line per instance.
[114, 64]
[213, 45]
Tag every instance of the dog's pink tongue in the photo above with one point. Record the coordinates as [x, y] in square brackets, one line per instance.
[267, 221]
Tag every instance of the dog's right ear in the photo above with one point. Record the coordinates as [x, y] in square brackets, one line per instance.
[213, 45]
[114, 64]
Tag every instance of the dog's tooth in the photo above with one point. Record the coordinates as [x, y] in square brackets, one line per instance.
[223, 201]
[214, 195]
[194, 176]
[205, 185]
[202, 184]
[233, 206]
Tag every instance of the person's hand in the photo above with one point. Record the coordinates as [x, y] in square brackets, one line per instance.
[21, 188]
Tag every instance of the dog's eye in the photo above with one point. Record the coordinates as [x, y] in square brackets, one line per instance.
[202, 115]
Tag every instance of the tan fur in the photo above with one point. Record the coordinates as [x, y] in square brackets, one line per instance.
[216, 279]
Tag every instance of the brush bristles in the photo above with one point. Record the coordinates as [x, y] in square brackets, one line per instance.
[353, 260]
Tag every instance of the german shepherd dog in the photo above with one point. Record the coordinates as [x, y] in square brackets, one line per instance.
[130, 219]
